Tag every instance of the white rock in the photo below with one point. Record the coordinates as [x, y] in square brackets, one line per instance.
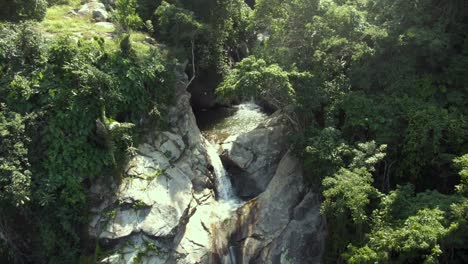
[160, 222]
[88, 8]
[107, 25]
[122, 225]
[171, 150]
[257, 154]
[148, 166]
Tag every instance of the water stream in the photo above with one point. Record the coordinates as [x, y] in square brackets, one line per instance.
[223, 183]
[217, 125]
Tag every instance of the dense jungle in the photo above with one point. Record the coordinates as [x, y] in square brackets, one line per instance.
[231, 131]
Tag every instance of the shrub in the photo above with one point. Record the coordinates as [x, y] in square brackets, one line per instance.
[126, 15]
[16, 10]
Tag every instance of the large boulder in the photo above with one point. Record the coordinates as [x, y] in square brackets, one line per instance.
[95, 9]
[283, 224]
[155, 192]
[100, 15]
[252, 157]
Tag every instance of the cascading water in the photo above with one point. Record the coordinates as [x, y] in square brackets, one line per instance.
[223, 184]
[240, 119]
[218, 124]
[244, 118]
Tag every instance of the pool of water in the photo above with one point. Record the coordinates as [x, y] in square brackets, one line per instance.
[218, 124]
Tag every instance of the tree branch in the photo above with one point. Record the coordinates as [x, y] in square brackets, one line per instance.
[193, 64]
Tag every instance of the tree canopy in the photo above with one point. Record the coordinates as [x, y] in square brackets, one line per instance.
[377, 90]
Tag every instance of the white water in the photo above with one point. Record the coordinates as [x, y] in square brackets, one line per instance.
[227, 201]
[223, 183]
[246, 118]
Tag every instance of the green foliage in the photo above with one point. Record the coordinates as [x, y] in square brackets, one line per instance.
[378, 87]
[349, 193]
[253, 78]
[126, 14]
[389, 73]
[423, 138]
[323, 35]
[146, 8]
[408, 227]
[21, 47]
[70, 111]
[139, 205]
[126, 45]
[415, 240]
[15, 174]
[325, 153]
[462, 164]
[176, 25]
[17, 10]
[59, 22]
[227, 31]
[219, 29]
[64, 2]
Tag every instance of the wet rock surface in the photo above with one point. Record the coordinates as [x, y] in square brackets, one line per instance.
[165, 208]
[283, 224]
[252, 157]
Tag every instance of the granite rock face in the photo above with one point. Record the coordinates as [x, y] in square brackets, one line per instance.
[283, 224]
[154, 213]
[252, 157]
[164, 208]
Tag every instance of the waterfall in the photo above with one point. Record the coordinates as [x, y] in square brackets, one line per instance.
[246, 117]
[223, 183]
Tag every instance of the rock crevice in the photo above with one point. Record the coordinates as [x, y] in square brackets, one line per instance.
[164, 209]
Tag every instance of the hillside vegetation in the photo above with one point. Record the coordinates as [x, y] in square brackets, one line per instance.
[377, 90]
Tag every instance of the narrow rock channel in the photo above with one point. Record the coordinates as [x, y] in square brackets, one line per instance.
[235, 198]
[254, 150]
[234, 121]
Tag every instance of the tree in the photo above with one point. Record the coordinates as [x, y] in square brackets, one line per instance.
[65, 120]
[254, 78]
[15, 174]
[416, 239]
[126, 14]
[409, 227]
[16, 10]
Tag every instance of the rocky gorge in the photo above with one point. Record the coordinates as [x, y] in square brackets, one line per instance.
[184, 199]
[233, 131]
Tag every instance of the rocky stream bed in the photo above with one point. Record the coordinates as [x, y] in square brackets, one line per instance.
[183, 199]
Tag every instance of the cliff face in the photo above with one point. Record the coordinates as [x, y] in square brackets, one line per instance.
[283, 224]
[165, 209]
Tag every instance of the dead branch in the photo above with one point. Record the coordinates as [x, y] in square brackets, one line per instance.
[193, 64]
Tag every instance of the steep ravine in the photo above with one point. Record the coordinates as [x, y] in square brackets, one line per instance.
[176, 203]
